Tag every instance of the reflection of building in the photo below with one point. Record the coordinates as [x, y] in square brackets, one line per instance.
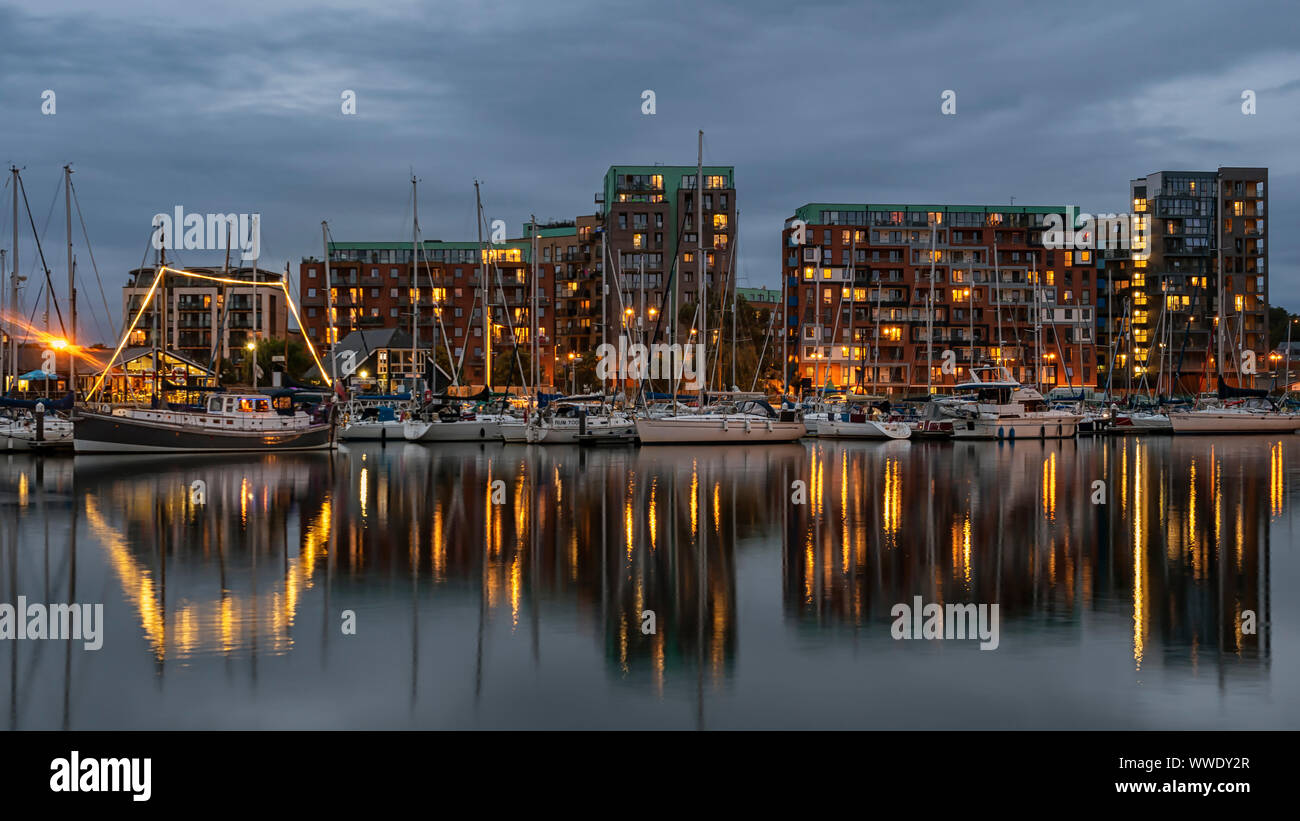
[208, 320]
[860, 306]
[1178, 550]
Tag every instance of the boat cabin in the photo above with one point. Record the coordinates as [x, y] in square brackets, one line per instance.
[232, 404]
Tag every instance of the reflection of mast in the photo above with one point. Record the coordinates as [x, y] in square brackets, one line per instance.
[72, 597]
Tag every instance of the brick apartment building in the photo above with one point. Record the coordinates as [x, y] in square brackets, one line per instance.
[858, 294]
[645, 220]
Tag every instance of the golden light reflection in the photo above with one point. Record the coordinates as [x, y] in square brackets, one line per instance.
[892, 498]
[224, 623]
[654, 514]
[1139, 564]
[1049, 486]
[363, 490]
[1276, 472]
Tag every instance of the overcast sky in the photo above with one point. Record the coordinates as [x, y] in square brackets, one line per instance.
[236, 107]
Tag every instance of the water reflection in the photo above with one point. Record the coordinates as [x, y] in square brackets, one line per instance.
[667, 572]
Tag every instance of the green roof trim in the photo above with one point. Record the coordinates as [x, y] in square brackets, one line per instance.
[811, 212]
[543, 233]
[760, 294]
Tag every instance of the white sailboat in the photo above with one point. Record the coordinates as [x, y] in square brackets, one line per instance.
[1253, 414]
[734, 418]
[1233, 410]
[564, 422]
[449, 425]
[857, 421]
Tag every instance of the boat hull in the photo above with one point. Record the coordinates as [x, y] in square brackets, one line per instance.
[1062, 427]
[473, 430]
[1209, 422]
[372, 432]
[105, 433]
[839, 429]
[514, 431]
[570, 434]
[684, 430]
[56, 436]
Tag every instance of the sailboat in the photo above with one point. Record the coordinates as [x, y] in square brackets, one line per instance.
[375, 418]
[731, 417]
[1232, 409]
[282, 420]
[38, 424]
[854, 420]
[568, 421]
[1235, 410]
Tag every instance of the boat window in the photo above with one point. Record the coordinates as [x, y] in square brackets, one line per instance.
[214, 405]
[254, 405]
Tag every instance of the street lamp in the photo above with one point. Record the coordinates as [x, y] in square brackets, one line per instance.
[251, 345]
[573, 376]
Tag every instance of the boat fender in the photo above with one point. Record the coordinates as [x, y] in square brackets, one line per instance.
[746, 426]
[769, 426]
[724, 423]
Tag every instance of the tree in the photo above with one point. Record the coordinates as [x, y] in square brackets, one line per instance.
[752, 328]
[297, 359]
[505, 371]
[1278, 318]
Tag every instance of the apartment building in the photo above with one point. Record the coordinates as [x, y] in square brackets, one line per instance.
[209, 317]
[899, 299]
[1159, 323]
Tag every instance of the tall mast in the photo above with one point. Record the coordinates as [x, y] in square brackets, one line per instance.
[157, 310]
[929, 317]
[997, 285]
[534, 348]
[1218, 253]
[72, 285]
[604, 301]
[487, 324]
[785, 331]
[875, 341]
[415, 283]
[1038, 328]
[257, 299]
[329, 303]
[4, 330]
[970, 314]
[13, 288]
[703, 307]
[731, 268]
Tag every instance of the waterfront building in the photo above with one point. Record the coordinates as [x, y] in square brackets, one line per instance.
[207, 320]
[645, 219]
[861, 302]
[1165, 290]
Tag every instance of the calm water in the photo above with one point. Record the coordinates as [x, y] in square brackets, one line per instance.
[526, 610]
